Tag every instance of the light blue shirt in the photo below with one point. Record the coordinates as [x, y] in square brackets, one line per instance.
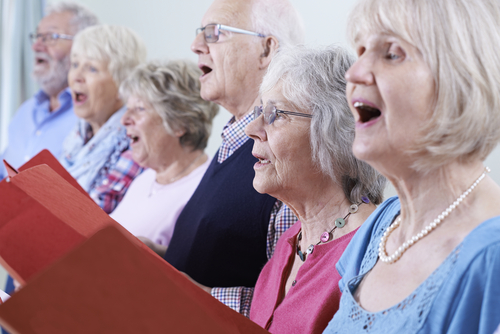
[461, 296]
[35, 128]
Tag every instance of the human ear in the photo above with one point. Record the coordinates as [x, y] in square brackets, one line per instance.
[270, 46]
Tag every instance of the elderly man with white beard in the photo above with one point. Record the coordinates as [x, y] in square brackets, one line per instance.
[43, 121]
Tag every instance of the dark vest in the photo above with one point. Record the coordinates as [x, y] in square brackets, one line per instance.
[220, 236]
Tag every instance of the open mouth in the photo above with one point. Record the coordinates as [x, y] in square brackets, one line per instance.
[366, 112]
[41, 58]
[80, 97]
[205, 69]
[133, 138]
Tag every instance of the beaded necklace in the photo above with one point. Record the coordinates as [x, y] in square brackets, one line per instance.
[327, 236]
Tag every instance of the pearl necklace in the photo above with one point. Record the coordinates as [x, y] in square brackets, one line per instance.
[384, 257]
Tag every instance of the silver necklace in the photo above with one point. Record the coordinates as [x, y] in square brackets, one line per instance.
[382, 253]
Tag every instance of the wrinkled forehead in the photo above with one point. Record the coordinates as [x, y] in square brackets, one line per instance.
[56, 22]
[234, 13]
[87, 51]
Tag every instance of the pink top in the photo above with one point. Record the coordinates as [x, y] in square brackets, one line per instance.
[150, 209]
[312, 301]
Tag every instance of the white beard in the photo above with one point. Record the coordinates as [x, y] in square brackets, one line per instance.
[55, 78]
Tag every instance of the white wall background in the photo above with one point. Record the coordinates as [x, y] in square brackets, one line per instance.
[168, 28]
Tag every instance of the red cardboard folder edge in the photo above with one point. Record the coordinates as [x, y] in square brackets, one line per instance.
[44, 157]
[43, 216]
[109, 285]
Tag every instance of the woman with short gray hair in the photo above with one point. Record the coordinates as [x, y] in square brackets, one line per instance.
[169, 125]
[302, 137]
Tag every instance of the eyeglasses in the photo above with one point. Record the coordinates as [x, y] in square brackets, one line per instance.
[49, 38]
[212, 32]
[270, 113]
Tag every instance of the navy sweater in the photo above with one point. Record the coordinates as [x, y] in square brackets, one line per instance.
[220, 236]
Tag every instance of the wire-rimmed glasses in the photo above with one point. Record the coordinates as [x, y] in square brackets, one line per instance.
[212, 32]
[270, 112]
[49, 37]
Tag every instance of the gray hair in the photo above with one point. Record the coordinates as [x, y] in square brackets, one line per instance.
[82, 17]
[313, 80]
[279, 19]
[173, 89]
[119, 46]
[459, 41]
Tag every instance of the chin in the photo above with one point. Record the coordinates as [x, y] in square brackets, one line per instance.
[81, 113]
[365, 148]
[259, 186]
[209, 94]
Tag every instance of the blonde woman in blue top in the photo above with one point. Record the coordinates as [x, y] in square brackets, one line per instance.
[425, 95]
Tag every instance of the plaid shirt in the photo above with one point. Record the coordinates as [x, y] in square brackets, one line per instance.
[240, 298]
[110, 189]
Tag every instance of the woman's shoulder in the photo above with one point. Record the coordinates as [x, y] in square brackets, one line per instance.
[470, 293]
[483, 243]
[365, 241]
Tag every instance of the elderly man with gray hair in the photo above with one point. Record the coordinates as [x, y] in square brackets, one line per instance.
[43, 121]
[227, 231]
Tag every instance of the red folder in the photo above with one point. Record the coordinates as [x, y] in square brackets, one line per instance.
[110, 285]
[87, 274]
[43, 216]
[45, 158]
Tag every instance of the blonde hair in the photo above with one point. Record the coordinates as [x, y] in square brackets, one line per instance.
[119, 46]
[173, 89]
[459, 41]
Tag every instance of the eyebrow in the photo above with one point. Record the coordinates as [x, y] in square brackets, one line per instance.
[49, 28]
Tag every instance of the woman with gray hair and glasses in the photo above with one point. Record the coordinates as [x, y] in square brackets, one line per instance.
[425, 95]
[169, 125]
[303, 134]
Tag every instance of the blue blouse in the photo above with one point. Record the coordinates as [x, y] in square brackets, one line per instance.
[461, 296]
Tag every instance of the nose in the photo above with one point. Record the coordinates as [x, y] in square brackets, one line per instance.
[126, 120]
[75, 75]
[361, 72]
[39, 46]
[199, 45]
[255, 129]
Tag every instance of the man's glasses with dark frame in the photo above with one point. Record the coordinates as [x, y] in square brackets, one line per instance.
[211, 32]
[270, 113]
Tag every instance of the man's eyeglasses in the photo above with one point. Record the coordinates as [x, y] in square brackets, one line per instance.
[49, 38]
[212, 32]
[270, 112]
